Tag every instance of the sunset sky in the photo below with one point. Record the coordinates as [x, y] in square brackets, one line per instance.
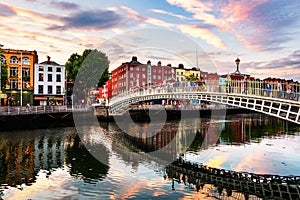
[264, 34]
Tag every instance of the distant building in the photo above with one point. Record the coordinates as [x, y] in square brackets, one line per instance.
[205, 76]
[49, 83]
[20, 68]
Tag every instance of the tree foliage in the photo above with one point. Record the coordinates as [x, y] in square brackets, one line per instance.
[92, 66]
[191, 77]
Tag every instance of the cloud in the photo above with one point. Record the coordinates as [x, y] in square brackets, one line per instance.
[95, 20]
[170, 14]
[262, 25]
[6, 11]
[253, 23]
[202, 33]
[64, 5]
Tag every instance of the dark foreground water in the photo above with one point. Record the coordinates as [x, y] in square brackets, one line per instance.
[62, 164]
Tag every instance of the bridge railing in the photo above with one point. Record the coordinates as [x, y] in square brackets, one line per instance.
[289, 91]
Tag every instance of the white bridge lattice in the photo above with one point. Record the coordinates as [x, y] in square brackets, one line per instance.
[254, 99]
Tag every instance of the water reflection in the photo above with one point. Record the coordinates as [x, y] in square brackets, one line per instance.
[82, 163]
[24, 153]
[56, 164]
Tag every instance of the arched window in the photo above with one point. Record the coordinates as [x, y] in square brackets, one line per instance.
[3, 59]
[26, 61]
[13, 60]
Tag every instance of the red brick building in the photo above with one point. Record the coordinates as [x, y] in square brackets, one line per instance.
[134, 75]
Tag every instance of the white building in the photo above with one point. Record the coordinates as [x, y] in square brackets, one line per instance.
[49, 83]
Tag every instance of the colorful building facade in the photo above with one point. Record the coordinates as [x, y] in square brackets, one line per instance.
[20, 69]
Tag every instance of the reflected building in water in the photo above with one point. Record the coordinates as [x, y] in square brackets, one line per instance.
[23, 158]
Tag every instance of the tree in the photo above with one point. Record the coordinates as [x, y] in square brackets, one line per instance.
[91, 64]
[191, 78]
[87, 71]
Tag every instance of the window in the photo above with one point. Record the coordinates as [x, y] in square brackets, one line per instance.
[26, 61]
[41, 77]
[58, 69]
[13, 60]
[131, 68]
[158, 77]
[154, 77]
[143, 76]
[131, 83]
[58, 89]
[58, 78]
[49, 77]
[131, 75]
[41, 89]
[14, 84]
[137, 76]
[137, 69]
[49, 89]
[25, 72]
[13, 71]
[49, 69]
[41, 68]
[3, 59]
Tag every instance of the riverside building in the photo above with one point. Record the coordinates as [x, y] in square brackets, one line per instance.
[20, 67]
[49, 88]
[134, 75]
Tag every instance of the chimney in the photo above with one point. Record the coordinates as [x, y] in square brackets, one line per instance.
[180, 66]
[149, 62]
[169, 65]
[159, 63]
[48, 59]
[134, 58]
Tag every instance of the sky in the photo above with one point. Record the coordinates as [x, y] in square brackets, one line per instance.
[263, 34]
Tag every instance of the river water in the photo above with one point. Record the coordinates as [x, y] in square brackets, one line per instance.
[60, 163]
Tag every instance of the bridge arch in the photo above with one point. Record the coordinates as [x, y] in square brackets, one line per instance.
[281, 108]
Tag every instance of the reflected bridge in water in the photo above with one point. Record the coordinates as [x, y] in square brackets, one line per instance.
[260, 185]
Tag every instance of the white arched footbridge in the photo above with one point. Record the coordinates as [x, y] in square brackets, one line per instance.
[255, 99]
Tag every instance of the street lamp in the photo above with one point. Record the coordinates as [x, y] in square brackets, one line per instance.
[237, 62]
[21, 103]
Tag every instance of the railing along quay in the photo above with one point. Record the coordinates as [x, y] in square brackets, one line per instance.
[18, 110]
[261, 185]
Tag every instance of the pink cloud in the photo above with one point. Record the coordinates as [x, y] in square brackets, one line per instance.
[202, 33]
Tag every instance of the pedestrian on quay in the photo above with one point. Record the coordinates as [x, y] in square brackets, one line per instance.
[28, 107]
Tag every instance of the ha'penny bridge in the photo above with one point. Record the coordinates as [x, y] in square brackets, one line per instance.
[186, 96]
[244, 183]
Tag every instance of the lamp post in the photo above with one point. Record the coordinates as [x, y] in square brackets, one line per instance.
[237, 62]
[21, 103]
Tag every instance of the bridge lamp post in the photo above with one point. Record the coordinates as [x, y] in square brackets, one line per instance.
[237, 62]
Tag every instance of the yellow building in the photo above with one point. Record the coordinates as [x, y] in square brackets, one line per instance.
[20, 66]
[194, 72]
[182, 73]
